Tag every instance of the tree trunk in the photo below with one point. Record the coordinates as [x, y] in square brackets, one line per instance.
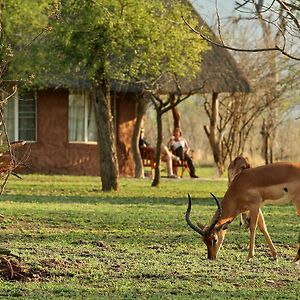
[265, 142]
[109, 169]
[138, 169]
[212, 134]
[175, 112]
[156, 179]
[267, 132]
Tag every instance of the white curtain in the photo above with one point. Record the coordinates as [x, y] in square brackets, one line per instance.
[91, 122]
[82, 126]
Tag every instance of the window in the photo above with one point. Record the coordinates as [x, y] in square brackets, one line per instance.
[82, 124]
[20, 117]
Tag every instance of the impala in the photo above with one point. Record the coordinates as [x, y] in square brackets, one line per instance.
[277, 183]
[239, 164]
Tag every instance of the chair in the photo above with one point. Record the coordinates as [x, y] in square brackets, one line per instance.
[180, 164]
[148, 158]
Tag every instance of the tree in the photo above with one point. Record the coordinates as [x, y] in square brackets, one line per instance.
[278, 29]
[182, 61]
[163, 105]
[11, 159]
[19, 30]
[104, 40]
[141, 109]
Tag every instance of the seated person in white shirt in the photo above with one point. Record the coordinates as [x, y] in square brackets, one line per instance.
[180, 148]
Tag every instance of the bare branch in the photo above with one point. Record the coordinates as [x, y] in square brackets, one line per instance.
[285, 6]
[222, 44]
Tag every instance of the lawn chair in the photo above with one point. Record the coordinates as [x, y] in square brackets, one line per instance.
[180, 164]
[148, 158]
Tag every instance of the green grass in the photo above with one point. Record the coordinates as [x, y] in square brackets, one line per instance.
[135, 244]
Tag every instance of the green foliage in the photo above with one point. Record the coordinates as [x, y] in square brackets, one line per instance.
[119, 39]
[22, 21]
[135, 244]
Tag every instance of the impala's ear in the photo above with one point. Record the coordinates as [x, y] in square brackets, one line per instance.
[248, 165]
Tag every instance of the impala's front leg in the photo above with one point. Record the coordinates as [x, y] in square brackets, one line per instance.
[262, 226]
[253, 225]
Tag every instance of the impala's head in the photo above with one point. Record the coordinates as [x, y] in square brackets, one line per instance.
[212, 235]
[239, 164]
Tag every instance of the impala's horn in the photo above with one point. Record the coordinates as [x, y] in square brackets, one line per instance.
[188, 220]
[217, 217]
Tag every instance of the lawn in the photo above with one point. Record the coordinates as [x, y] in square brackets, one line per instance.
[81, 243]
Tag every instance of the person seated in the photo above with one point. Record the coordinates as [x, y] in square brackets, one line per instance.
[142, 141]
[166, 155]
[180, 148]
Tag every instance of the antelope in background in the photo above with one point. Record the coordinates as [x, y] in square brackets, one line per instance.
[276, 183]
[239, 164]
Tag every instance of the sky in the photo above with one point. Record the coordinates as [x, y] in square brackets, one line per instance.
[207, 9]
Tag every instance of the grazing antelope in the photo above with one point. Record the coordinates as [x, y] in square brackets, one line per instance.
[276, 183]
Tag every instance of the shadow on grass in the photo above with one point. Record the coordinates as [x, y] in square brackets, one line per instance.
[97, 200]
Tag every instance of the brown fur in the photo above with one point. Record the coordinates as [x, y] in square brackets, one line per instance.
[239, 164]
[252, 188]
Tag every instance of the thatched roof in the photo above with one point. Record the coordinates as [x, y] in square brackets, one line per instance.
[219, 73]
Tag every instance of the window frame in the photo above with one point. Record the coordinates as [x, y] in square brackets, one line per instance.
[16, 123]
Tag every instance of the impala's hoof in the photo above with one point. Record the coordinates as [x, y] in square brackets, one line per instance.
[249, 258]
[275, 258]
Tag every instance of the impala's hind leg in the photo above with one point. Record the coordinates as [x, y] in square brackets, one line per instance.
[296, 200]
[245, 219]
[263, 228]
[253, 224]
